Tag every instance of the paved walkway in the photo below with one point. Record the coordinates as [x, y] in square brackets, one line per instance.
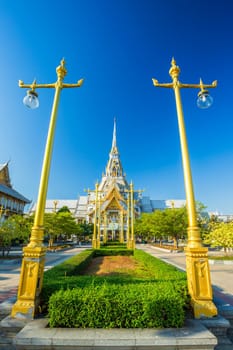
[10, 272]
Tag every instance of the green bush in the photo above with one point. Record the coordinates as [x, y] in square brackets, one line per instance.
[113, 251]
[117, 306]
[154, 294]
[57, 277]
[115, 244]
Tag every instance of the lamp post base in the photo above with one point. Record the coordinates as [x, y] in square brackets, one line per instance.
[131, 244]
[199, 285]
[95, 244]
[203, 308]
[30, 283]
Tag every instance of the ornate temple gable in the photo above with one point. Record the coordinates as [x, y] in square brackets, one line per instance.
[114, 192]
[113, 204]
[4, 175]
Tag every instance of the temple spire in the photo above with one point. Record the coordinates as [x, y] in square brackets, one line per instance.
[114, 144]
[114, 167]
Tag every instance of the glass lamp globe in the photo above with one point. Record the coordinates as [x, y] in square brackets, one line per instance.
[31, 100]
[204, 99]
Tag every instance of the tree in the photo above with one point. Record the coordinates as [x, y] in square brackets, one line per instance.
[220, 235]
[60, 223]
[146, 227]
[64, 209]
[163, 223]
[85, 230]
[15, 228]
[174, 224]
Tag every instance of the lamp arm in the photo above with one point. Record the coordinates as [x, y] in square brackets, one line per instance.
[166, 85]
[199, 86]
[34, 86]
[78, 84]
[181, 85]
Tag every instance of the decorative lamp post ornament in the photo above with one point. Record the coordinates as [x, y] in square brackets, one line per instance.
[32, 270]
[197, 265]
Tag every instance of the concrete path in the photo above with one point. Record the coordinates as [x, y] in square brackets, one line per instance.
[10, 271]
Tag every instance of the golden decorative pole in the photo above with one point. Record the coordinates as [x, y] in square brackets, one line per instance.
[98, 223]
[94, 238]
[197, 265]
[105, 228]
[128, 219]
[132, 241]
[32, 269]
[122, 227]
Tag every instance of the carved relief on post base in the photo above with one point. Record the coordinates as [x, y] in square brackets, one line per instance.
[30, 282]
[199, 284]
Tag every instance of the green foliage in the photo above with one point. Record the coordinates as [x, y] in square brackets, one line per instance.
[64, 209]
[162, 224]
[15, 228]
[114, 244]
[60, 223]
[57, 277]
[85, 230]
[113, 251]
[71, 266]
[153, 295]
[117, 306]
[220, 235]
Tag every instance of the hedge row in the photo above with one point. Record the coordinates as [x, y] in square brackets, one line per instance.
[157, 300]
[63, 275]
[113, 251]
[118, 306]
[115, 244]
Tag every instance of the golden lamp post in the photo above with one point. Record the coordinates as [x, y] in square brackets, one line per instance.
[95, 241]
[96, 224]
[132, 239]
[32, 269]
[197, 265]
[130, 217]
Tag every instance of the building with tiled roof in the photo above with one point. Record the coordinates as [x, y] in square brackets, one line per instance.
[11, 201]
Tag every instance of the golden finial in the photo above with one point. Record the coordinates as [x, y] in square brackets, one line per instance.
[61, 71]
[173, 62]
[174, 70]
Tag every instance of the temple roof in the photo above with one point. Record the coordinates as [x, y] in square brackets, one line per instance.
[4, 175]
[12, 193]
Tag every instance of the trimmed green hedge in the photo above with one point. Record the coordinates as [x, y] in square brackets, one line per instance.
[113, 251]
[64, 275]
[114, 244]
[117, 306]
[153, 295]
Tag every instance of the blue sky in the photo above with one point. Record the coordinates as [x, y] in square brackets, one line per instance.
[117, 46]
